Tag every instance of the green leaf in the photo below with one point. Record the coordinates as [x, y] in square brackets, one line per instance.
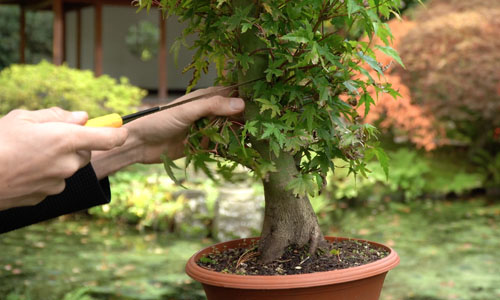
[245, 27]
[270, 72]
[324, 92]
[299, 36]
[245, 61]
[309, 115]
[383, 160]
[383, 32]
[268, 105]
[371, 61]
[270, 129]
[176, 47]
[367, 100]
[335, 252]
[207, 260]
[168, 164]
[302, 184]
[392, 53]
[351, 85]
[290, 118]
[352, 7]
[313, 55]
[250, 127]
[275, 148]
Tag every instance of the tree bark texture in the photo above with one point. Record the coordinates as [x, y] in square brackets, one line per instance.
[288, 219]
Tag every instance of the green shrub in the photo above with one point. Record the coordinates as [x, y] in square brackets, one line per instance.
[44, 85]
[146, 197]
[412, 176]
[489, 165]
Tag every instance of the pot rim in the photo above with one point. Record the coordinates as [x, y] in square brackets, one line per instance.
[272, 282]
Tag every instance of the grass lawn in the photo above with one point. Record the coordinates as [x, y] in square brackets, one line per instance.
[448, 250]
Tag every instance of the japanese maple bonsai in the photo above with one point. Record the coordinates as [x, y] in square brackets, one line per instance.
[309, 77]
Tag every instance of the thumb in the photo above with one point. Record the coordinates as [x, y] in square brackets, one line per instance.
[213, 106]
[56, 114]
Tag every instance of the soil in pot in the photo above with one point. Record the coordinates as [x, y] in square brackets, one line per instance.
[244, 259]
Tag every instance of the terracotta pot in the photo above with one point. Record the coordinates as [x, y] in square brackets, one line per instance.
[356, 283]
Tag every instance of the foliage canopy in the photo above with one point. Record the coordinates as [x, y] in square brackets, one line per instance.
[304, 104]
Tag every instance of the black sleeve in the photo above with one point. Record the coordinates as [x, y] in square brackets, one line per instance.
[82, 191]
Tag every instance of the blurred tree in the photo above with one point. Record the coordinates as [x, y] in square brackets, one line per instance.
[405, 120]
[453, 62]
[451, 84]
[38, 36]
[142, 40]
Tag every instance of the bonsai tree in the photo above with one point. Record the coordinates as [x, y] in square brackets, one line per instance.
[305, 67]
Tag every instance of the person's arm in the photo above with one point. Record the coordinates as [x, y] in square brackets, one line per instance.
[82, 191]
[148, 138]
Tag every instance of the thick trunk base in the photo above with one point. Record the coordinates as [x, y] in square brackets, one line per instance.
[288, 220]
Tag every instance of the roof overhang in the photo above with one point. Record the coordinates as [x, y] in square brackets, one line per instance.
[47, 4]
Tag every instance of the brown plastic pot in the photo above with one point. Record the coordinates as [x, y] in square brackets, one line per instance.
[356, 283]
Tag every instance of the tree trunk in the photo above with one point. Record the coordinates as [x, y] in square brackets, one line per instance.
[288, 219]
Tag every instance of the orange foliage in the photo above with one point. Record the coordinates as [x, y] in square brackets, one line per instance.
[407, 120]
[452, 53]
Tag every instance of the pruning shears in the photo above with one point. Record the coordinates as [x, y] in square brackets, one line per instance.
[115, 120]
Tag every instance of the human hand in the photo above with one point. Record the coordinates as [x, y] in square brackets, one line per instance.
[150, 136]
[166, 131]
[39, 149]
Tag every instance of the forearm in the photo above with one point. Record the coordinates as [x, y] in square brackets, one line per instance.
[82, 191]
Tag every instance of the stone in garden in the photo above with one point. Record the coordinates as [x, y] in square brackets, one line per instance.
[238, 212]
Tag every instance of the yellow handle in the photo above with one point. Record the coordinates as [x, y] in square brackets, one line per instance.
[111, 120]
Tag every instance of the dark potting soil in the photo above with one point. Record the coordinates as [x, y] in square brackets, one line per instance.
[341, 255]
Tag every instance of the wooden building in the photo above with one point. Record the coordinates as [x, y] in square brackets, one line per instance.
[89, 34]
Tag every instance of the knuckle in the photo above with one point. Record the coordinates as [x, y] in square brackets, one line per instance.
[56, 109]
[109, 142]
[216, 103]
[59, 112]
[54, 188]
[34, 199]
[17, 112]
[117, 137]
[69, 169]
[58, 188]
[85, 157]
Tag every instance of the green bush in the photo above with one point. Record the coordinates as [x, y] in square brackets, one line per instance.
[142, 198]
[146, 197]
[412, 176]
[44, 85]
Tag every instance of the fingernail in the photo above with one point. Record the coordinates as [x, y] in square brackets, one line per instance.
[236, 104]
[78, 115]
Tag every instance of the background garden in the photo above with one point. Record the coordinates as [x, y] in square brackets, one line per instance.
[439, 208]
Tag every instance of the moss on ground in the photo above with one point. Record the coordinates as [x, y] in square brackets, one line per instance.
[449, 250]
